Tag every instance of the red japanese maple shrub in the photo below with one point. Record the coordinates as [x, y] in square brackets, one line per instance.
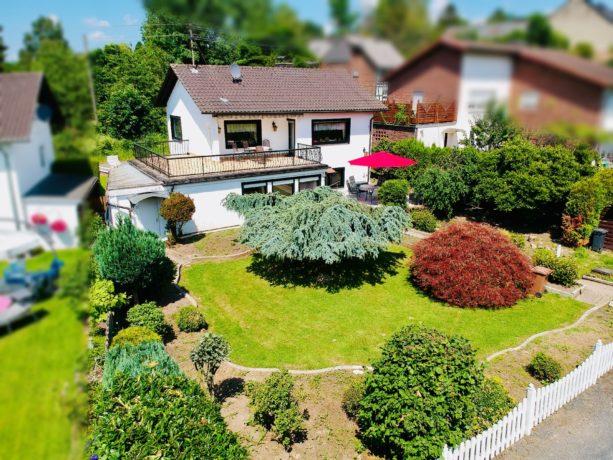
[471, 265]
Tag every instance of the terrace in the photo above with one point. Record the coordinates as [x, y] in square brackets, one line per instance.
[173, 159]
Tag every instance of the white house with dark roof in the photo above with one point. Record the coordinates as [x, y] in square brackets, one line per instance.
[27, 185]
[255, 129]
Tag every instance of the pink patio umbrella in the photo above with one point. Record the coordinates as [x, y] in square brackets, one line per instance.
[383, 160]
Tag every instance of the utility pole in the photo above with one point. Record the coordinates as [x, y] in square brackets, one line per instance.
[191, 44]
[90, 79]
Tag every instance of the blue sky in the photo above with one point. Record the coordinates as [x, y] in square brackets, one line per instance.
[105, 21]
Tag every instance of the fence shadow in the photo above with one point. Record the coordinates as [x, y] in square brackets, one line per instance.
[349, 274]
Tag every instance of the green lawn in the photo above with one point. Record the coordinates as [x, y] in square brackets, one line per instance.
[587, 260]
[304, 327]
[37, 361]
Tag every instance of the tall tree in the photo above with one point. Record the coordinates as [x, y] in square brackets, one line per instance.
[450, 17]
[44, 28]
[500, 15]
[343, 18]
[3, 49]
[404, 22]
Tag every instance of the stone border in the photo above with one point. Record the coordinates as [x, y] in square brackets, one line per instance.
[598, 280]
[561, 291]
[355, 368]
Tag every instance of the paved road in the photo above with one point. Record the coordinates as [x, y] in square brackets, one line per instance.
[583, 429]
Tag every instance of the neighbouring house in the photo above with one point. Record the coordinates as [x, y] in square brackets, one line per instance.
[255, 129]
[540, 86]
[367, 59]
[584, 21]
[28, 187]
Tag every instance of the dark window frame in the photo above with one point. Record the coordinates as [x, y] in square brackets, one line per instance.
[173, 130]
[347, 139]
[258, 124]
[267, 181]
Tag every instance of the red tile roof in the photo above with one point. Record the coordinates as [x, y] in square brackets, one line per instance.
[18, 101]
[583, 69]
[269, 90]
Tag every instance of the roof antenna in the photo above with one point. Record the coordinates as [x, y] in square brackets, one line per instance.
[235, 71]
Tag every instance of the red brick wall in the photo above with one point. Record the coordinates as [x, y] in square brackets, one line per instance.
[561, 97]
[437, 75]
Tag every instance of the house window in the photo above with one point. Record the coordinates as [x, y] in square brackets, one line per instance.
[336, 179]
[249, 131]
[254, 187]
[381, 91]
[331, 131]
[41, 156]
[175, 128]
[529, 100]
[479, 99]
[284, 187]
[308, 183]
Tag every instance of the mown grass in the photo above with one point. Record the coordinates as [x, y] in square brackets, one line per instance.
[272, 324]
[38, 361]
[587, 260]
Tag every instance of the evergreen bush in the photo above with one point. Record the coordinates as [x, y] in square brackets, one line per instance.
[134, 335]
[493, 403]
[394, 192]
[275, 407]
[471, 265]
[420, 394]
[424, 220]
[189, 319]
[148, 315]
[564, 270]
[544, 368]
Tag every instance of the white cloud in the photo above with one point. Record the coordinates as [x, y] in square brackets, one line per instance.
[99, 36]
[95, 22]
[54, 18]
[129, 20]
[436, 8]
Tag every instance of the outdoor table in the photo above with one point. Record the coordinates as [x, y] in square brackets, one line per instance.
[369, 189]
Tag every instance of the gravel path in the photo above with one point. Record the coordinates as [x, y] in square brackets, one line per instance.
[582, 429]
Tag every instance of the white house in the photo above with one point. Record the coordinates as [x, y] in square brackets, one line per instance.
[27, 186]
[255, 129]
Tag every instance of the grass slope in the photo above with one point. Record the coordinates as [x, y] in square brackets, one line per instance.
[304, 327]
[37, 361]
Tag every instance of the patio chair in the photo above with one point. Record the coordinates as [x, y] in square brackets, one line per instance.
[354, 188]
[266, 143]
[245, 145]
[234, 147]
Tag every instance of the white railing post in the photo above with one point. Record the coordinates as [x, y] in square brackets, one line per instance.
[529, 415]
[445, 455]
[598, 362]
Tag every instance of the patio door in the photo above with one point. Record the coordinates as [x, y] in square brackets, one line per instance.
[291, 134]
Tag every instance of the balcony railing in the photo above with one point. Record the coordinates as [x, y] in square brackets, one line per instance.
[425, 113]
[172, 158]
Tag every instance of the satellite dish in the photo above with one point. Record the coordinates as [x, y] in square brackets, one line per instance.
[44, 112]
[235, 71]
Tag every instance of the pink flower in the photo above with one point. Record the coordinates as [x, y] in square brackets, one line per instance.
[39, 219]
[58, 226]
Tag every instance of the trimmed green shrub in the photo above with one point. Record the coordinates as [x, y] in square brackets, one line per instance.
[153, 416]
[420, 395]
[564, 269]
[97, 353]
[493, 403]
[103, 299]
[207, 356]
[394, 192]
[352, 397]
[133, 360]
[189, 319]
[544, 368]
[275, 407]
[424, 220]
[134, 335]
[148, 315]
[177, 210]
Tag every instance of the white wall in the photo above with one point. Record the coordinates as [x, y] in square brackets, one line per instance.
[607, 111]
[65, 210]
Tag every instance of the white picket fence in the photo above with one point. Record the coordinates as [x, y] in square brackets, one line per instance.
[534, 408]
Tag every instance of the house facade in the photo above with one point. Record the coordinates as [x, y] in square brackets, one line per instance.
[367, 59]
[540, 87]
[27, 185]
[255, 129]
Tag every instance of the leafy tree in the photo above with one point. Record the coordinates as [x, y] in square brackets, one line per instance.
[177, 210]
[342, 16]
[207, 356]
[441, 190]
[43, 29]
[420, 394]
[450, 17]
[540, 33]
[3, 49]
[133, 259]
[584, 50]
[493, 129]
[499, 15]
[404, 22]
[127, 114]
[316, 225]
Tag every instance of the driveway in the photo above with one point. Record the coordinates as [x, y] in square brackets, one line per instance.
[583, 429]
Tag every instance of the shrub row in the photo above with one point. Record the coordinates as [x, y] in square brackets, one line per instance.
[275, 407]
[564, 269]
